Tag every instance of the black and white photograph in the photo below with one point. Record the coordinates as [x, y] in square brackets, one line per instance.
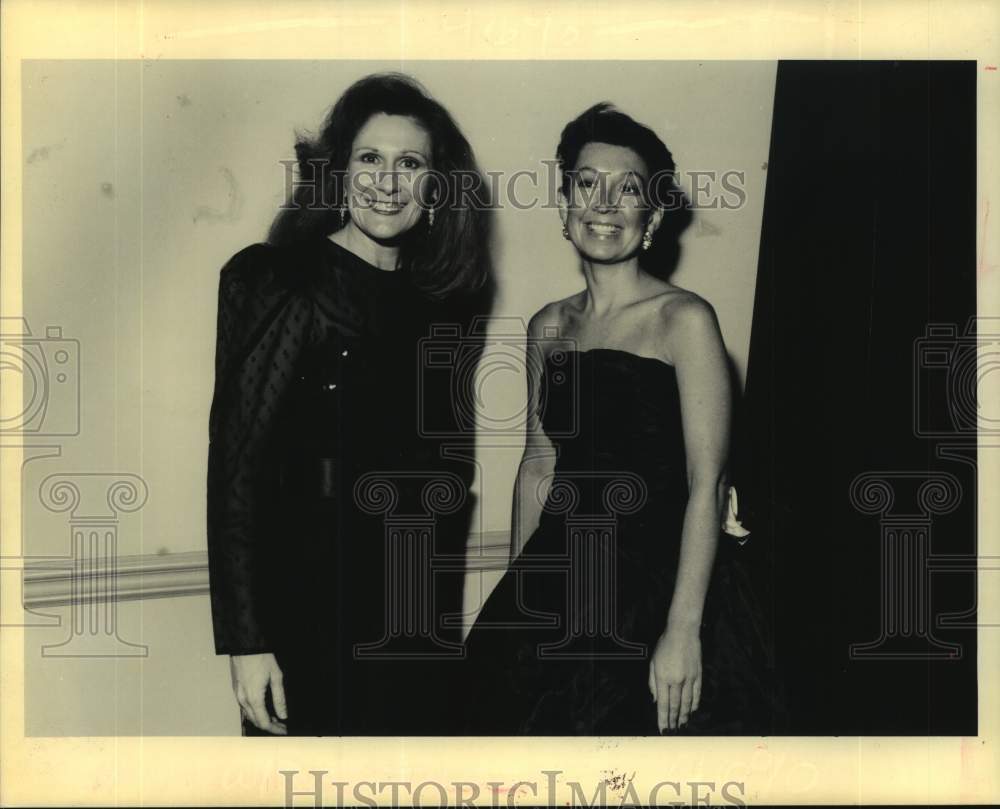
[520, 424]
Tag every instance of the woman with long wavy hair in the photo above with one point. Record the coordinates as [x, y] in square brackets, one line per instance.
[316, 445]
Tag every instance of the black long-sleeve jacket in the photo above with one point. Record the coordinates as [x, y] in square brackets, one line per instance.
[292, 322]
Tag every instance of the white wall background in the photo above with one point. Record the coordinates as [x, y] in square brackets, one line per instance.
[142, 179]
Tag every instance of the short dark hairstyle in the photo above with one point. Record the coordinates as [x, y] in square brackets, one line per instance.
[449, 257]
[604, 123]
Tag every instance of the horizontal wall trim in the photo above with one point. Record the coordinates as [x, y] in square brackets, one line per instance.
[61, 582]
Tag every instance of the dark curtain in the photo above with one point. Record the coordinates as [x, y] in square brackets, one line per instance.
[859, 364]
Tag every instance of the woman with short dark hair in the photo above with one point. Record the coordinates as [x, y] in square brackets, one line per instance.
[616, 617]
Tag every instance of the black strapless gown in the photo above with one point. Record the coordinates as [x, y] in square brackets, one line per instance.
[562, 645]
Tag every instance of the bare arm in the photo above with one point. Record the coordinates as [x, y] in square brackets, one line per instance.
[703, 380]
[534, 475]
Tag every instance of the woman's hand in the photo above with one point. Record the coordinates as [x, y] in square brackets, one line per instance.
[252, 674]
[675, 676]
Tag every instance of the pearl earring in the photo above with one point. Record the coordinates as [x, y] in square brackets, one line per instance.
[565, 232]
[647, 240]
[430, 217]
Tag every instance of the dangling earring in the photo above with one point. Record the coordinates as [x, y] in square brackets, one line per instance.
[430, 217]
[647, 239]
[343, 215]
[565, 232]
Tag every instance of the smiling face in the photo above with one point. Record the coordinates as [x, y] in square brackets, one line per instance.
[605, 212]
[389, 157]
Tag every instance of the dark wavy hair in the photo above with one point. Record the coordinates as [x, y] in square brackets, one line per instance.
[604, 123]
[452, 256]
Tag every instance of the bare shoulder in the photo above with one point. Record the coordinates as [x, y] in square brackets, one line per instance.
[688, 325]
[685, 311]
[554, 316]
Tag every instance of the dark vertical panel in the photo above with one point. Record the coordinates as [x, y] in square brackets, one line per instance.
[868, 237]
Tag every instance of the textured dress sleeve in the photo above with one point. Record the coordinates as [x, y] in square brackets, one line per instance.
[264, 322]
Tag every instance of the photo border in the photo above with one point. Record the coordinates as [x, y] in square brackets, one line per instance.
[239, 771]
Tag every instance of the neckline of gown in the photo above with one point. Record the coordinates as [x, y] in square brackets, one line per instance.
[616, 352]
[356, 260]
